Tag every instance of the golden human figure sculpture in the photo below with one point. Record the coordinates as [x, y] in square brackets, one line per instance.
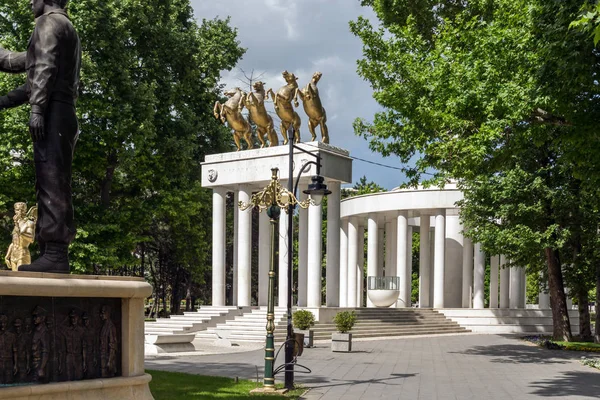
[22, 236]
[255, 103]
[231, 112]
[314, 109]
[283, 106]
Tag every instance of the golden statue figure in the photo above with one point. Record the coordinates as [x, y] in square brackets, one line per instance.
[231, 112]
[22, 236]
[283, 106]
[314, 109]
[255, 103]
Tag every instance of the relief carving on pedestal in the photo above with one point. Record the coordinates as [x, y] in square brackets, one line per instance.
[58, 339]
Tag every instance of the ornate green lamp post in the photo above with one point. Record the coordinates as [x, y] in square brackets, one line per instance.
[272, 198]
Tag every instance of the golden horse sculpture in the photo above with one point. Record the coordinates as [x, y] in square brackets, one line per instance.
[255, 103]
[22, 236]
[283, 106]
[231, 112]
[314, 109]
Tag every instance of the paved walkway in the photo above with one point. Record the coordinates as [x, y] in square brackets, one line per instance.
[444, 367]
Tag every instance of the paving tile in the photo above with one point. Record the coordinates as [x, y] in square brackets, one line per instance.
[489, 367]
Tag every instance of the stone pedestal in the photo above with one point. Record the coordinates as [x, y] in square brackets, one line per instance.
[83, 334]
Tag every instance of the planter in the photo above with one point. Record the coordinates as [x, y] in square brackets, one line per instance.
[308, 336]
[341, 342]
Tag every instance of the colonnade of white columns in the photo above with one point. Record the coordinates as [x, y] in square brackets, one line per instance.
[309, 251]
[389, 253]
[506, 284]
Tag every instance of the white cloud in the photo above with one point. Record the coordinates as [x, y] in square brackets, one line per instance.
[304, 36]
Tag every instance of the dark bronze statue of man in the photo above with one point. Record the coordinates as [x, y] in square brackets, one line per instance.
[52, 62]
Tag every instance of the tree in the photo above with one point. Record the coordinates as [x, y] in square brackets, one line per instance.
[149, 80]
[501, 96]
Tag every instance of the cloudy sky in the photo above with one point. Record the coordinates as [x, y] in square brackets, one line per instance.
[304, 36]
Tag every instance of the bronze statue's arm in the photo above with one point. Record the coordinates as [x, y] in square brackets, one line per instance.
[14, 98]
[296, 97]
[43, 74]
[15, 359]
[7, 258]
[12, 62]
[84, 351]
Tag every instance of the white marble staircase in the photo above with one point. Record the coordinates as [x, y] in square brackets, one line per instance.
[497, 321]
[194, 321]
[250, 327]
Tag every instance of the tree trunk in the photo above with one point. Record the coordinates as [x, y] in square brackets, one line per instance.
[106, 184]
[597, 329]
[583, 304]
[558, 300]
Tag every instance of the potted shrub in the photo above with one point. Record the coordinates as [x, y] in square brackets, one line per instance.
[303, 320]
[342, 340]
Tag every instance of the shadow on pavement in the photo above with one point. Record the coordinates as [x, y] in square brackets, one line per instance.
[569, 384]
[521, 354]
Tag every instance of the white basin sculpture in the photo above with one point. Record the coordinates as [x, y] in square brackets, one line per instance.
[383, 291]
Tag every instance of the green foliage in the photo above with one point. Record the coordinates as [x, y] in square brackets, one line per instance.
[303, 319]
[344, 321]
[503, 97]
[149, 81]
[589, 21]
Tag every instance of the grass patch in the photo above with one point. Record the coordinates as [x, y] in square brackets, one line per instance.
[547, 342]
[179, 386]
[580, 346]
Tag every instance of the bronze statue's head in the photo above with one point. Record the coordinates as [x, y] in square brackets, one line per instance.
[105, 313]
[86, 319]
[317, 76]
[3, 322]
[259, 86]
[289, 78]
[39, 315]
[73, 318]
[18, 324]
[38, 6]
[20, 208]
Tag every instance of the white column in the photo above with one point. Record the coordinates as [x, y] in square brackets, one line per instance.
[234, 287]
[302, 249]
[467, 280]
[282, 287]
[244, 250]
[388, 248]
[313, 298]
[218, 246]
[264, 257]
[504, 283]
[402, 258]
[479, 278]
[523, 282]
[380, 247]
[439, 259]
[344, 264]
[409, 263]
[372, 250]
[515, 287]
[494, 264]
[393, 267]
[360, 268]
[424, 262]
[544, 296]
[353, 244]
[332, 269]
